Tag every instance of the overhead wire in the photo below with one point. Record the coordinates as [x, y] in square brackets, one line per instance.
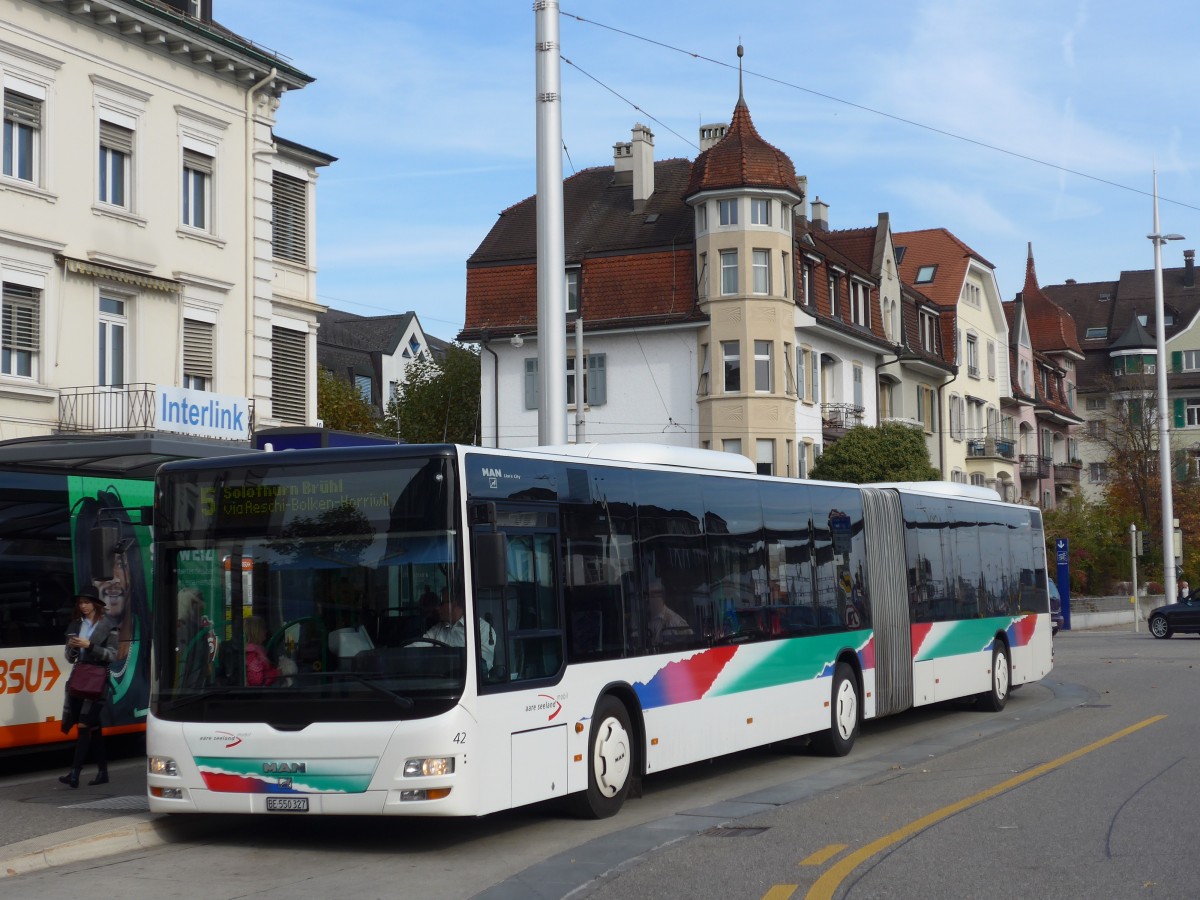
[859, 106]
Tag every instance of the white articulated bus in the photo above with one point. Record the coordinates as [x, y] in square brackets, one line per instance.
[446, 630]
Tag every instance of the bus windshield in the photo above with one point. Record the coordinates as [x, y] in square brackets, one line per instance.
[291, 596]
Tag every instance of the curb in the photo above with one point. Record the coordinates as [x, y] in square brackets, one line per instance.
[87, 842]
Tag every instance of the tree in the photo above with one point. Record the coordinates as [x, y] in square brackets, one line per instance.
[341, 406]
[864, 454]
[438, 400]
[1099, 544]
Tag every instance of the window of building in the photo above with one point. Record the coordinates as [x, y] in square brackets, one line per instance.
[197, 355]
[702, 280]
[806, 274]
[789, 378]
[289, 218]
[702, 218]
[1192, 409]
[705, 371]
[116, 152]
[20, 335]
[956, 417]
[764, 456]
[925, 274]
[972, 295]
[763, 367]
[1097, 473]
[573, 289]
[1189, 361]
[860, 303]
[835, 291]
[925, 411]
[972, 356]
[731, 355]
[732, 445]
[595, 381]
[762, 271]
[760, 211]
[1097, 403]
[22, 131]
[197, 189]
[814, 369]
[887, 399]
[364, 384]
[111, 352]
[857, 378]
[1096, 428]
[787, 277]
[1096, 333]
[929, 331]
[1025, 376]
[991, 359]
[802, 354]
[728, 211]
[289, 379]
[729, 272]
[594, 377]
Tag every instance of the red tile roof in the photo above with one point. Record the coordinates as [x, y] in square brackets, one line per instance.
[1051, 328]
[742, 159]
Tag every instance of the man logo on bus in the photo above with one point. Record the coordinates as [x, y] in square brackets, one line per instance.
[269, 767]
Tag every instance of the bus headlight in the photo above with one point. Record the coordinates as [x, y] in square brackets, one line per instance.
[429, 765]
[162, 765]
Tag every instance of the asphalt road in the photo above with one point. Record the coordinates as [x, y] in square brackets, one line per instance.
[956, 803]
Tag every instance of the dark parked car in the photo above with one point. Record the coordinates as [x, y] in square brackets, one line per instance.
[1056, 613]
[1181, 617]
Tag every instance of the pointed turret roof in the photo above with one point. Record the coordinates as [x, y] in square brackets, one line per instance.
[1135, 337]
[742, 159]
[1051, 327]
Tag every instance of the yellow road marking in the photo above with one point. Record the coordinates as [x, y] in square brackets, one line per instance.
[780, 892]
[828, 883]
[823, 855]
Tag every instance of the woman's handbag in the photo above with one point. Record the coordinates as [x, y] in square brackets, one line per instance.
[87, 681]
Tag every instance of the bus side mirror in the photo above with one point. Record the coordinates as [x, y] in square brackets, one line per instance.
[491, 559]
[103, 541]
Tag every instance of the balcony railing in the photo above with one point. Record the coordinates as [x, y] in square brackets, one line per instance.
[991, 447]
[840, 416]
[1067, 472]
[1034, 466]
[103, 410]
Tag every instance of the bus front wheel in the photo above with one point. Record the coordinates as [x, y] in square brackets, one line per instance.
[995, 698]
[844, 714]
[610, 762]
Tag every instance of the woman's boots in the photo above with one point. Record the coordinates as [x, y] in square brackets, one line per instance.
[101, 777]
[71, 779]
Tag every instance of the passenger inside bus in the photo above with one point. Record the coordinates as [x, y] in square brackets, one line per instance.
[665, 625]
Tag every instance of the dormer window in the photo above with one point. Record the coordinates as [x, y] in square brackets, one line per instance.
[573, 290]
[925, 274]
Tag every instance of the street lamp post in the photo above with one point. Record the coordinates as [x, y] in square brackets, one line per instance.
[1164, 434]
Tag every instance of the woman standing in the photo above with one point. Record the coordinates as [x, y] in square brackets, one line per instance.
[91, 638]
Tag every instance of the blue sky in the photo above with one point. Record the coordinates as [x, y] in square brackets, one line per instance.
[430, 109]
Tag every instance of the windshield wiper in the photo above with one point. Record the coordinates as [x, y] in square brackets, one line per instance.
[402, 702]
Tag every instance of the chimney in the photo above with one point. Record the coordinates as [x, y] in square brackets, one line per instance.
[643, 165]
[622, 162]
[820, 215]
[1072, 281]
[1189, 268]
[710, 134]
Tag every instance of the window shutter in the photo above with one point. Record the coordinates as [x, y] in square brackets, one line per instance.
[198, 162]
[531, 383]
[288, 378]
[597, 380]
[197, 349]
[1176, 361]
[21, 328]
[1179, 415]
[289, 218]
[114, 137]
[23, 110]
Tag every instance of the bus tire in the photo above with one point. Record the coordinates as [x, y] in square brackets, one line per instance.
[610, 762]
[845, 714]
[994, 699]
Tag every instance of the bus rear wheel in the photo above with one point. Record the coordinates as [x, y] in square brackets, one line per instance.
[844, 714]
[610, 762]
[995, 698]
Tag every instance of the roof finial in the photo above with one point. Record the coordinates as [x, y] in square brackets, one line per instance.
[740, 52]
